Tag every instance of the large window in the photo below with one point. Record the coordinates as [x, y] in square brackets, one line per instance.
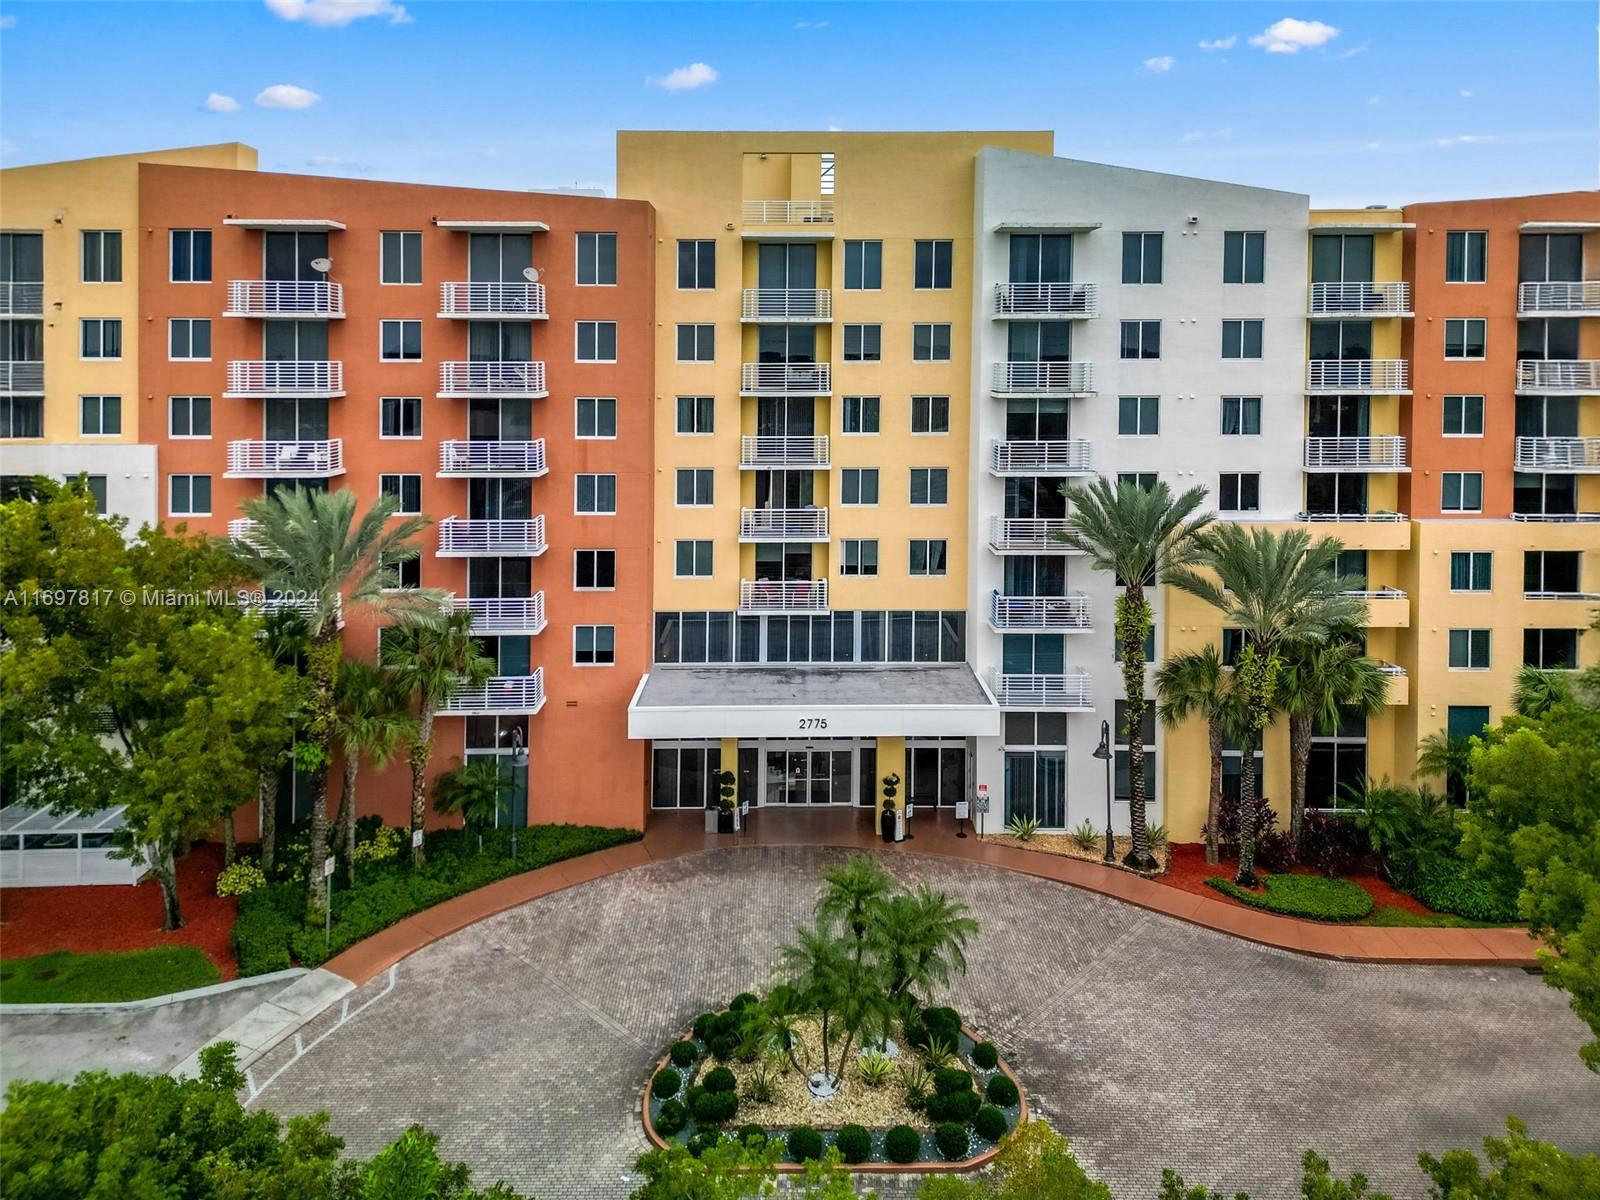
[930, 343]
[22, 416]
[1466, 258]
[1241, 339]
[1462, 491]
[100, 416]
[400, 341]
[594, 645]
[695, 487]
[684, 774]
[400, 256]
[190, 256]
[1471, 570]
[1138, 416]
[933, 265]
[190, 496]
[1337, 770]
[1036, 767]
[102, 256]
[596, 494]
[858, 485]
[863, 266]
[697, 264]
[400, 417]
[1239, 491]
[1552, 572]
[1119, 735]
[696, 343]
[189, 338]
[873, 636]
[1241, 416]
[929, 556]
[596, 570]
[1244, 256]
[100, 337]
[596, 417]
[930, 485]
[930, 414]
[189, 416]
[1463, 416]
[407, 489]
[692, 559]
[697, 414]
[1141, 258]
[1464, 337]
[596, 341]
[1551, 649]
[863, 343]
[1141, 339]
[860, 414]
[858, 556]
[597, 259]
[1469, 649]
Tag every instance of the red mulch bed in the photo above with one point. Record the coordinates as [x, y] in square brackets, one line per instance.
[1189, 872]
[92, 919]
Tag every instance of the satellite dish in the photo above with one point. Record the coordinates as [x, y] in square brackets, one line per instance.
[322, 265]
[531, 274]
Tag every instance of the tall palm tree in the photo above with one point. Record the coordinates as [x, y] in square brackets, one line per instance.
[1140, 535]
[311, 546]
[920, 939]
[1273, 587]
[432, 660]
[1538, 690]
[371, 721]
[1451, 757]
[851, 891]
[1195, 683]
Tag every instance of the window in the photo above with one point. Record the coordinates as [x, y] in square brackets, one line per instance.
[597, 494]
[102, 256]
[696, 414]
[1144, 479]
[693, 559]
[930, 414]
[1241, 339]
[407, 574]
[1550, 649]
[930, 485]
[1463, 337]
[1463, 491]
[596, 570]
[1463, 416]
[189, 416]
[94, 485]
[191, 256]
[697, 264]
[407, 488]
[930, 343]
[101, 337]
[400, 255]
[597, 416]
[1241, 416]
[1244, 257]
[400, 341]
[1239, 492]
[594, 645]
[1552, 572]
[683, 775]
[1469, 649]
[858, 556]
[1466, 256]
[860, 414]
[927, 556]
[696, 343]
[933, 265]
[694, 487]
[1336, 770]
[190, 496]
[1141, 258]
[858, 485]
[1141, 339]
[863, 343]
[597, 259]
[863, 266]
[400, 417]
[1120, 741]
[597, 340]
[101, 416]
[1116, 643]
[189, 337]
[22, 416]
[1471, 570]
[1138, 416]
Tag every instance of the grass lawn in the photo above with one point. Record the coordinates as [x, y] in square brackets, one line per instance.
[1393, 918]
[67, 978]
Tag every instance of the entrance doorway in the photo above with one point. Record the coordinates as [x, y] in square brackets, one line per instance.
[937, 771]
[808, 773]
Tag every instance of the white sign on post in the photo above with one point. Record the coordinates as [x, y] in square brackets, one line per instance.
[328, 865]
[961, 810]
[416, 838]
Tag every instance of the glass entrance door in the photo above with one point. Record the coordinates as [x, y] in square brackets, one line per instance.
[802, 774]
[938, 773]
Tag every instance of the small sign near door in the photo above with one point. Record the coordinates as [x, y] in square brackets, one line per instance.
[961, 810]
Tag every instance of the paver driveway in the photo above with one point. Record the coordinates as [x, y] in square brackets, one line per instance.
[524, 1040]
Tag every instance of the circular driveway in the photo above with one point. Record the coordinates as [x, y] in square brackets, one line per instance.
[525, 1039]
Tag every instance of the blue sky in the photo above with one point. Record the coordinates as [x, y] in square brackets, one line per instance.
[1354, 103]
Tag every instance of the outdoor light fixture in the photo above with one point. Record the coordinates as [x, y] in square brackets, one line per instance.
[1103, 752]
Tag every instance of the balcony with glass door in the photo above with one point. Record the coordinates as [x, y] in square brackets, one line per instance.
[1071, 691]
[808, 523]
[522, 459]
[298, 299]
[1391, 298]
[1559, 298]
[1573, 376]
[1046, 301]
[1040, 614]
[503, 614]
[270, 459]
[1029, 535]
[783, 595]
[1368, 376]
[794, 452]
[1067, 456]
[1381, 453]
[1580, 455]
[466, 537]
[513, 380]
[789, 214]
[507, 695]
[763, 305]
[508, 300]
[265, 378]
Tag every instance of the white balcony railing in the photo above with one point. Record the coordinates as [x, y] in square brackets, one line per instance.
[513, 300]
[268, 606]
[1389, 299]
[1072, 691]
[311, 377]
[464, 537]
[1044, 614]
[1358, 375]
[492, 458]
[1382, 593]
[267, 459]
[1043, 378]
[761, 450]
[788, 212]
[1383, 453]
[1559, 375]
[787, 304]
[1072, 456]
[22, 299]
[240, 530]
[514, 694]
[1575, 299]
[21, 378]
[1558, 454]
[1359, 517]
[783, 595]
[1571, 518]
[503, 614]
[1029, 535]
[785, 379]
[313, 298]
[1580, 596]
[518, 380]
[783, 524]
[1036, 300]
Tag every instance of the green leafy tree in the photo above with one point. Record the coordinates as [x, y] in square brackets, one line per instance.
[1450, 757]
[410, 1168]
[1195, 683]
[827, 1180]
[1518, 1169]
[730, 1170]
[1318, 684]
[1537, 690]
[1033, 1163]
[1140, 535]
[371, 722]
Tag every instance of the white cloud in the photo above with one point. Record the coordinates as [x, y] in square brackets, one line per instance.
[9, 21]
[695, 75]
[1202, 135]
[835, 128]
[333, 13]
[812, 24]
[1159, 65]
[1223, 43]
[1467, 93]
[1355, 50]
[1466, 139]
[286, 95]
[1290, 36]
[218, 103]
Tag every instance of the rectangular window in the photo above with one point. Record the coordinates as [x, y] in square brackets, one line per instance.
[933, 265]
[102, 256]
[596, 494]
[189, 416]
[190, 256]
[696, 343]
[190, 496]
[927, 556]
[1469, 649]
[1463, 416]
[858, 556]
[597, 341]
[1138, 416]
[930, 343]
[1463, 491]
[1241, 339]
[1550, 649]
[1464, 337]
[930, 485]
[596, 417]
[407, 574]
[1239, 492]
[400, 341]
[596, 570]
[694, 487]
[1123, 787]
[1466, 257]
[697, 264]
[1244, 257]
[189, 337]
[860, 414]
[1141, 339]
[400, 417]
[858, 485]
[1241, 416]
[863, 343]
[1471, 570]
[400, 256]
[95, 485]
[594, 645]
[1141, 258]
[406, 488]
[597, 259]
[101, 337]
[1552, 572]
[1143, 479]
[930, 414]
[101, 416]
[693, 559]
[22, 416]
[863, 266]
[696, 414]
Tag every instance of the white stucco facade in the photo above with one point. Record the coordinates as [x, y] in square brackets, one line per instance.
[129, 471]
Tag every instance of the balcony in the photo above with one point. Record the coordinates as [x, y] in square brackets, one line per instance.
[1029, 535]
[308, 378]
[1039, 614]
[21, 378]
[1069, 457]
[785, 379]
[1046, 301]
[788, 212]
[240, 530]
[1043, 379]
[786, 305]
[1399, 684]
[22, 299]
[466, 537]
[1384, 453]
[511, 695]
[1579, 376]
[1359, 299]
[1387, 608]
[521, 459]
[1359, 376]
[272, 459]
[1586, 598]
[503, 614]
[1070, 692]
[1563, 454]
[1580, 298]
[1571, 518]
[757, 452]
[783, 595]
[512, 380]
[308, 299]
[271, 606]
[1361, 531]
[516, 300]
[783, 524]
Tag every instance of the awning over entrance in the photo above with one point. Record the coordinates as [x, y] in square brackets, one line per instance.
[935, 700]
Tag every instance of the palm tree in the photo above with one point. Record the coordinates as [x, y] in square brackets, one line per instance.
[1441, 754]
[1195, 683]
[1273, 587]
[852, 890]
[814, 962]
[432, 660]
[284, 636]
[311, 546]
[920, 939]
[1538, 690]
[370, 721]
[1140, 535]
[475, 789]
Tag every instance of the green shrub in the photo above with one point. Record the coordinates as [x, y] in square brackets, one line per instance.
[713, 1108]
[902, 1144]
[752, 1135]
[952, 1141]
[951, 1079]
[741, 1002]
[672, 1118]
[1311, 896]
[854, 1142]
[1451, 885]
[701, 1142]
[804, 1142]
[683, 1054]
[990, 1124]
[1002, 1091]
[985, 1056]
[944, 1024]
[954, 1106]
[261, 938]
[719, 1079]
[240, 879]
[723, 1046]
[916, 1033]
[666, 1083]
[702, 1025]
[725, 1024]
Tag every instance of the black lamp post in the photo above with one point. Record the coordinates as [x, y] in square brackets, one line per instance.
[519, 758]
[1103, 752]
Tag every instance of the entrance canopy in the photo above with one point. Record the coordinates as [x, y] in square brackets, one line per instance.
[932, 700]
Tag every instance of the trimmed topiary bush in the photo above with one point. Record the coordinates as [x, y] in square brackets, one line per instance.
[951, 1079]
[741, 1002]
[666, 1083]
[1451, 885]
[671, 1119]
[1311, 896]
[701, 1142]
[985, 1057]
[902, 1144]
[752, 1135]
[915, 1031]
[944, 1024]
[990, 1124]
[952, 1141]
[723, 1046]
[714, 1108]
[719, 1079]
[854, 1142]
[1002, 1091]
[804, 1142]
[702, 1025]
[724, 1024]
[683, 1054]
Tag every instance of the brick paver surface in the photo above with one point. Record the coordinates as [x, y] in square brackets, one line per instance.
[524, 1040]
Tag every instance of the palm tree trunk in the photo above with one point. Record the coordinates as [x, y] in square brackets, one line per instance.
[323, 664]
[1299, 763]
[344, 825]
[421, 752]
[1214, 799]
[230, 844]
[267, 802]
[1247, 812]
[1134, 617]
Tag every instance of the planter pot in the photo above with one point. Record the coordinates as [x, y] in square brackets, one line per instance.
[887, 824]
[711, 820]
[724, 821]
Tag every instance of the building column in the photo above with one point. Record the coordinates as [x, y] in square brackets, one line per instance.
[891, 761]
[730, 762]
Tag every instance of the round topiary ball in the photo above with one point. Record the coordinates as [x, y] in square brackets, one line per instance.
[902, 1144]
[672, 1118]
[1002, 1091]
[804, 1143]
[951, 1079]
[990, 1124]
[752, 1135]
[854, 1142]
[701, 1142]
[952, 1141]
[714, 1108]
[741, 1002]
[683, 1054]
[962, 1106]
[723, 1045]
[666, 1083]
[702, 1025]
[985, 1057]
[719, 1079]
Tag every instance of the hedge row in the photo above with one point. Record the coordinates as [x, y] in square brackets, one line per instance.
[1312, 896]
